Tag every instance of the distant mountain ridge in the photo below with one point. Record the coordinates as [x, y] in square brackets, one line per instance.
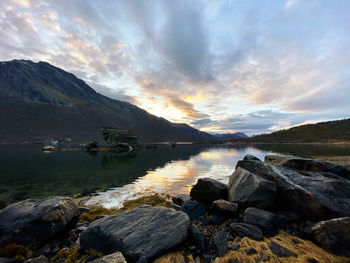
[39, 100]
[231, 136]
[330, 131]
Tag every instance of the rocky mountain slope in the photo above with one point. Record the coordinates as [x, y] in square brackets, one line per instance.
[39, 101]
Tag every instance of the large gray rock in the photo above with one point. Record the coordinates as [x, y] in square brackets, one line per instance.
[208, 190]
[333, 235]
[268, 222]
[35, 221]
[247, 230]
[248, 189]
[116, 257]
[142, 232]
[306, 164]
[312, 196]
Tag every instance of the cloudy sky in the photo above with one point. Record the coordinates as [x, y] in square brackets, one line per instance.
[221, 66]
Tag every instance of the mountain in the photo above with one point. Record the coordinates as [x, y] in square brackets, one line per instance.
[231, 136]
[330, 131]
[39, 101]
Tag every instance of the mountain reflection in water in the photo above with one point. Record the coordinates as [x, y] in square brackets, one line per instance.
[27, 172]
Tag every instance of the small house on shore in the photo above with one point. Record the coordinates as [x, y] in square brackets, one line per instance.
[115, 136]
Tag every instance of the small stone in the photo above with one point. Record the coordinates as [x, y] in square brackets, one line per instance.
[296, 241]
[207, 258]
[264, 258]
[251, 251]
[312, 260]
[198, 238]
[250, 231]
[280, 251]
[220, 241]
[234, 247]
[265, 220]
[112, 258]
[224, 208]
[216, 220]
[41, 259]
[180, 199]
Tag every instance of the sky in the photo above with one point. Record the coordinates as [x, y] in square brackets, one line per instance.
[220, 65]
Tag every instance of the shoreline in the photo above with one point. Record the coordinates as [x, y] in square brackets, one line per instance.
[214, 223]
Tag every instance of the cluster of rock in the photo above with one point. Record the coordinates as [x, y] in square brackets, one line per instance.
[307, 198]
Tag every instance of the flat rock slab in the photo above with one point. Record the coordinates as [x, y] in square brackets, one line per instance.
[35, 221]
[306, 164]
[333, 235]
[116, 257]
[142, 232]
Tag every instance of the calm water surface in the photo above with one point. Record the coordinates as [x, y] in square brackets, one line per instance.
[27, 172]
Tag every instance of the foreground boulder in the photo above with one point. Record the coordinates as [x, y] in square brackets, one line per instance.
[208, 190]
[36, 221]
[248, 189]
[333, 235]
[312, 196]
[306, 164]
[142, 232]
[268, 222]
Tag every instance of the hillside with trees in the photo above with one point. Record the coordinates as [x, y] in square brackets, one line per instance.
[330, 131]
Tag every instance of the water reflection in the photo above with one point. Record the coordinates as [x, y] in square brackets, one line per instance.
[178, 176]
[26, 172]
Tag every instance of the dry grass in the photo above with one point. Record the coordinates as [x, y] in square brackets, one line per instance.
[304, 251]
[97, 211]
[175, 257]
[13, 251]
[72, 255]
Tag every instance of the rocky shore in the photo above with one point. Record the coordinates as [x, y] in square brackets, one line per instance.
[285, 209]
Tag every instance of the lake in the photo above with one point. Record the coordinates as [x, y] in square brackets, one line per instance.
[27, 172]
